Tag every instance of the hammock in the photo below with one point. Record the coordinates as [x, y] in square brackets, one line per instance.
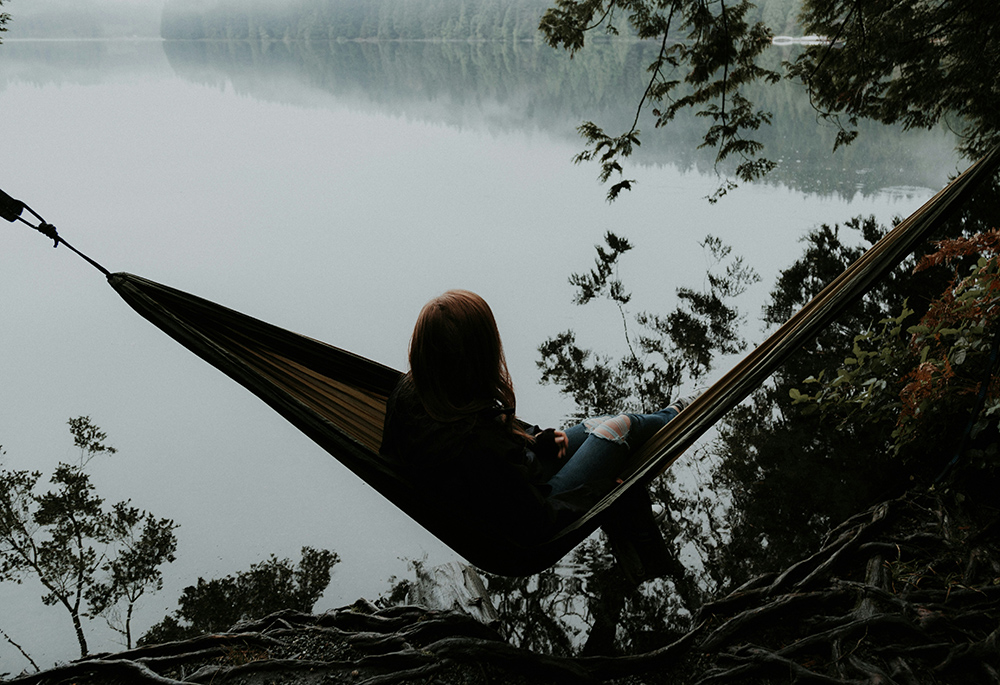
[338, 398]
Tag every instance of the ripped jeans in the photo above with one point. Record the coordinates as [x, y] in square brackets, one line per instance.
[599, 447]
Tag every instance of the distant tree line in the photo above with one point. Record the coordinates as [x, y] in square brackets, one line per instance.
[353, 19]
[386, 19]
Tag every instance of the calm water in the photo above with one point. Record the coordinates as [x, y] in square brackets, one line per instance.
[333, 190]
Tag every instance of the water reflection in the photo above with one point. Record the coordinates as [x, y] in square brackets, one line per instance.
[503, 87]
[525, 86]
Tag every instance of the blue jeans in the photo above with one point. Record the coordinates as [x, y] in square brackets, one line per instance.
[598, 448]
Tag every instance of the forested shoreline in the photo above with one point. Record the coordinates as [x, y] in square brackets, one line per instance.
[515, 20]
[319, 20]
[353, 20]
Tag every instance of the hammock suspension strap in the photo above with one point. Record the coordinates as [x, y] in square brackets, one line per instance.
[11, 210]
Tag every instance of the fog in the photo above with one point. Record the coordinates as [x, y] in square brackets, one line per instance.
[65, 19]
[336, 214]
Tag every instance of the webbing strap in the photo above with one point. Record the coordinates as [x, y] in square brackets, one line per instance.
[11, 210]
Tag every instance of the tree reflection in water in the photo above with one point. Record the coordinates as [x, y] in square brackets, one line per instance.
[503, 86]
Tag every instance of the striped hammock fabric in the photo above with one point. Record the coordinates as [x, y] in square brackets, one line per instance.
[338, 398]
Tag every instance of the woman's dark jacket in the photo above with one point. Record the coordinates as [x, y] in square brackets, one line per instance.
[476, 467]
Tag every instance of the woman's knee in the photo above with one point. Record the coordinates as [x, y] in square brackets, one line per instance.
[612, 428]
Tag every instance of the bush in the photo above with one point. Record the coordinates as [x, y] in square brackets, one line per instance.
[933, 383]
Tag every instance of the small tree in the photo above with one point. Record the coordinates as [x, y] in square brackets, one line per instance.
[65, 538]
[272, 585]
[144, 544]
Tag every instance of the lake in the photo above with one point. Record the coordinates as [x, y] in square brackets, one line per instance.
[332, 189]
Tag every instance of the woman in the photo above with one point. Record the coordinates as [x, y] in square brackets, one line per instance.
[450, 422]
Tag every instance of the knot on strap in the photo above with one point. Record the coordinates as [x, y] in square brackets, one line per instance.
[49, 231]
[11, 210]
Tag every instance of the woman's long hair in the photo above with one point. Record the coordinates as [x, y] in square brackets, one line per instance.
[456, 359]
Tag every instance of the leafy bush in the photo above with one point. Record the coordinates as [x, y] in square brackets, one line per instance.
[932, 382]
[269, 586]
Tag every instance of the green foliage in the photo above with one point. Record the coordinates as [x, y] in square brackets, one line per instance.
[912, 61]
[145, 543]
[925, 384]
[786, 475]
[269, 586]
[915, 62]
[790, 473]
[85, 556]
[865, 376]
[669, 350]
[708, 71]
[608, 150]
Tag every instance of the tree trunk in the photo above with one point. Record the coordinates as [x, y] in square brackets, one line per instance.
[128, 625]
[80, 637]
[453, 587]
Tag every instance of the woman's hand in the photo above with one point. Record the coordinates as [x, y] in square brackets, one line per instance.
[562, 442]
[551, 443]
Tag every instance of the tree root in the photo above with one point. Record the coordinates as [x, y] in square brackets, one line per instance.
[906, 592]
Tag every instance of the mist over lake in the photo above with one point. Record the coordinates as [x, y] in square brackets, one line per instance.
[332, 189]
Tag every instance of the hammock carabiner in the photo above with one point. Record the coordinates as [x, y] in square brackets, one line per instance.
[11, 210]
